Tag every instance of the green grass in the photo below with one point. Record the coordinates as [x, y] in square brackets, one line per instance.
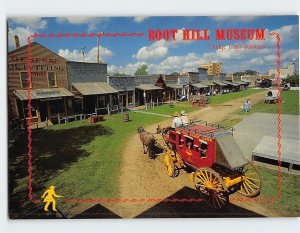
[289, 105]
[289, 204]
[81, 160]
[220, 99]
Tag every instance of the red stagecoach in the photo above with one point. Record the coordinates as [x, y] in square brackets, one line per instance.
[219, 166]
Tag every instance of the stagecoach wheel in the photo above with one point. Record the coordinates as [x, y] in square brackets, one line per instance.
[211, 187]
[169, 165]
[251, 181]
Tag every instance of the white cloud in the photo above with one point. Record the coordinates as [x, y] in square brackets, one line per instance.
[31, 22]
[257, 61]
[92, 22]
[23, 27]
[21, 32]
[128, 69]
[139, 19]
[235, 18]
[287, 33]
[243, 59]
[89, 56]
[156, 50]
[159, 49]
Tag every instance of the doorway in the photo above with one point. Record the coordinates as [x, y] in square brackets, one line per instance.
[123, 100]
[43, 110]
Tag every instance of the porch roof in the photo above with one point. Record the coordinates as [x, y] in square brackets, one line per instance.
[219, 83]
[43, 93]
[199, 85]
[175, 86]
[231, 83]
[94, 88]
[207, 83]
[148, 87]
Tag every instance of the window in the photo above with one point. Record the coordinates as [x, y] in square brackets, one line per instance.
[130, 97]
[33, 112]
[101, 101]
[56, 107]
[24, 80]
[52, 79]
[189, 143]
[203, 149]
[114, 99]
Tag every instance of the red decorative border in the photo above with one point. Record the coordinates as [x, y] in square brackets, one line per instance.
[29, 154]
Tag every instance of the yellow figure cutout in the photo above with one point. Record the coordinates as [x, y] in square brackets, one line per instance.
[50, 198]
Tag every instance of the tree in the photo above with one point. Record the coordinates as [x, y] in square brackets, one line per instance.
[142, 70]
[293, 80]
[119, 74]
[246, 72]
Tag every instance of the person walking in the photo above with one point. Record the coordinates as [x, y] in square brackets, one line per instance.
[249, 104]
[50, 194]
[246, 106]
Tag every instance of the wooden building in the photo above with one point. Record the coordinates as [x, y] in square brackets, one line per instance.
[49, 84]
[93, 95]
[198, 89]
[126, 90]
[210, 86]
[173, 89]
[220, 87]
[149, 89]
[96, 98]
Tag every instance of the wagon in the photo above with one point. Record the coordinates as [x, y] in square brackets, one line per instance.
[218, 166]
[200, 101]
[271, 96]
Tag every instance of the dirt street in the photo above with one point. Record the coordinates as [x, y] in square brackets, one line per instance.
[141, 177]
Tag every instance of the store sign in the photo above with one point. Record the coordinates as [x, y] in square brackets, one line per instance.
[39, 66]
[47, 93]
[86, 69]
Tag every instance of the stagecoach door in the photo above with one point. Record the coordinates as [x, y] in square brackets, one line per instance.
[202, 156]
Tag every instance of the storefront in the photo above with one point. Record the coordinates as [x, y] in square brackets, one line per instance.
[47, 104]
[49, 84]
[126, 90]
[220, 87]
[198, 89]
[210, 86]
[149, 94]
[149, 89]
[98, 97]
[232, 86]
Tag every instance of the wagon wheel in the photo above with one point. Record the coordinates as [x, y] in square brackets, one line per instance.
[169, 165]
[211, 187]
[251, 181]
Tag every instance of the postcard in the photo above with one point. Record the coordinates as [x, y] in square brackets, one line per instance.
[153, 117]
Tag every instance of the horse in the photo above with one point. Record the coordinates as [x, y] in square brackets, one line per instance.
[147, 140]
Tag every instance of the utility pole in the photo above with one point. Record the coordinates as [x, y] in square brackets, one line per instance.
[82, 51]
[98, 47]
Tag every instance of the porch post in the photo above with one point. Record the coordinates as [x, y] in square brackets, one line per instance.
[65, 105]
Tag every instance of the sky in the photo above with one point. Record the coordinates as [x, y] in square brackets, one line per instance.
[126, 54]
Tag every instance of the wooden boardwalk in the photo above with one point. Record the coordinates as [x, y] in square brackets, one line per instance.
[267, 149]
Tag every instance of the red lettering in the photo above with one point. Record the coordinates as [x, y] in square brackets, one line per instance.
[185, 34]
[260, 34]
[220, 34]
[165, 34]
[173, 33]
